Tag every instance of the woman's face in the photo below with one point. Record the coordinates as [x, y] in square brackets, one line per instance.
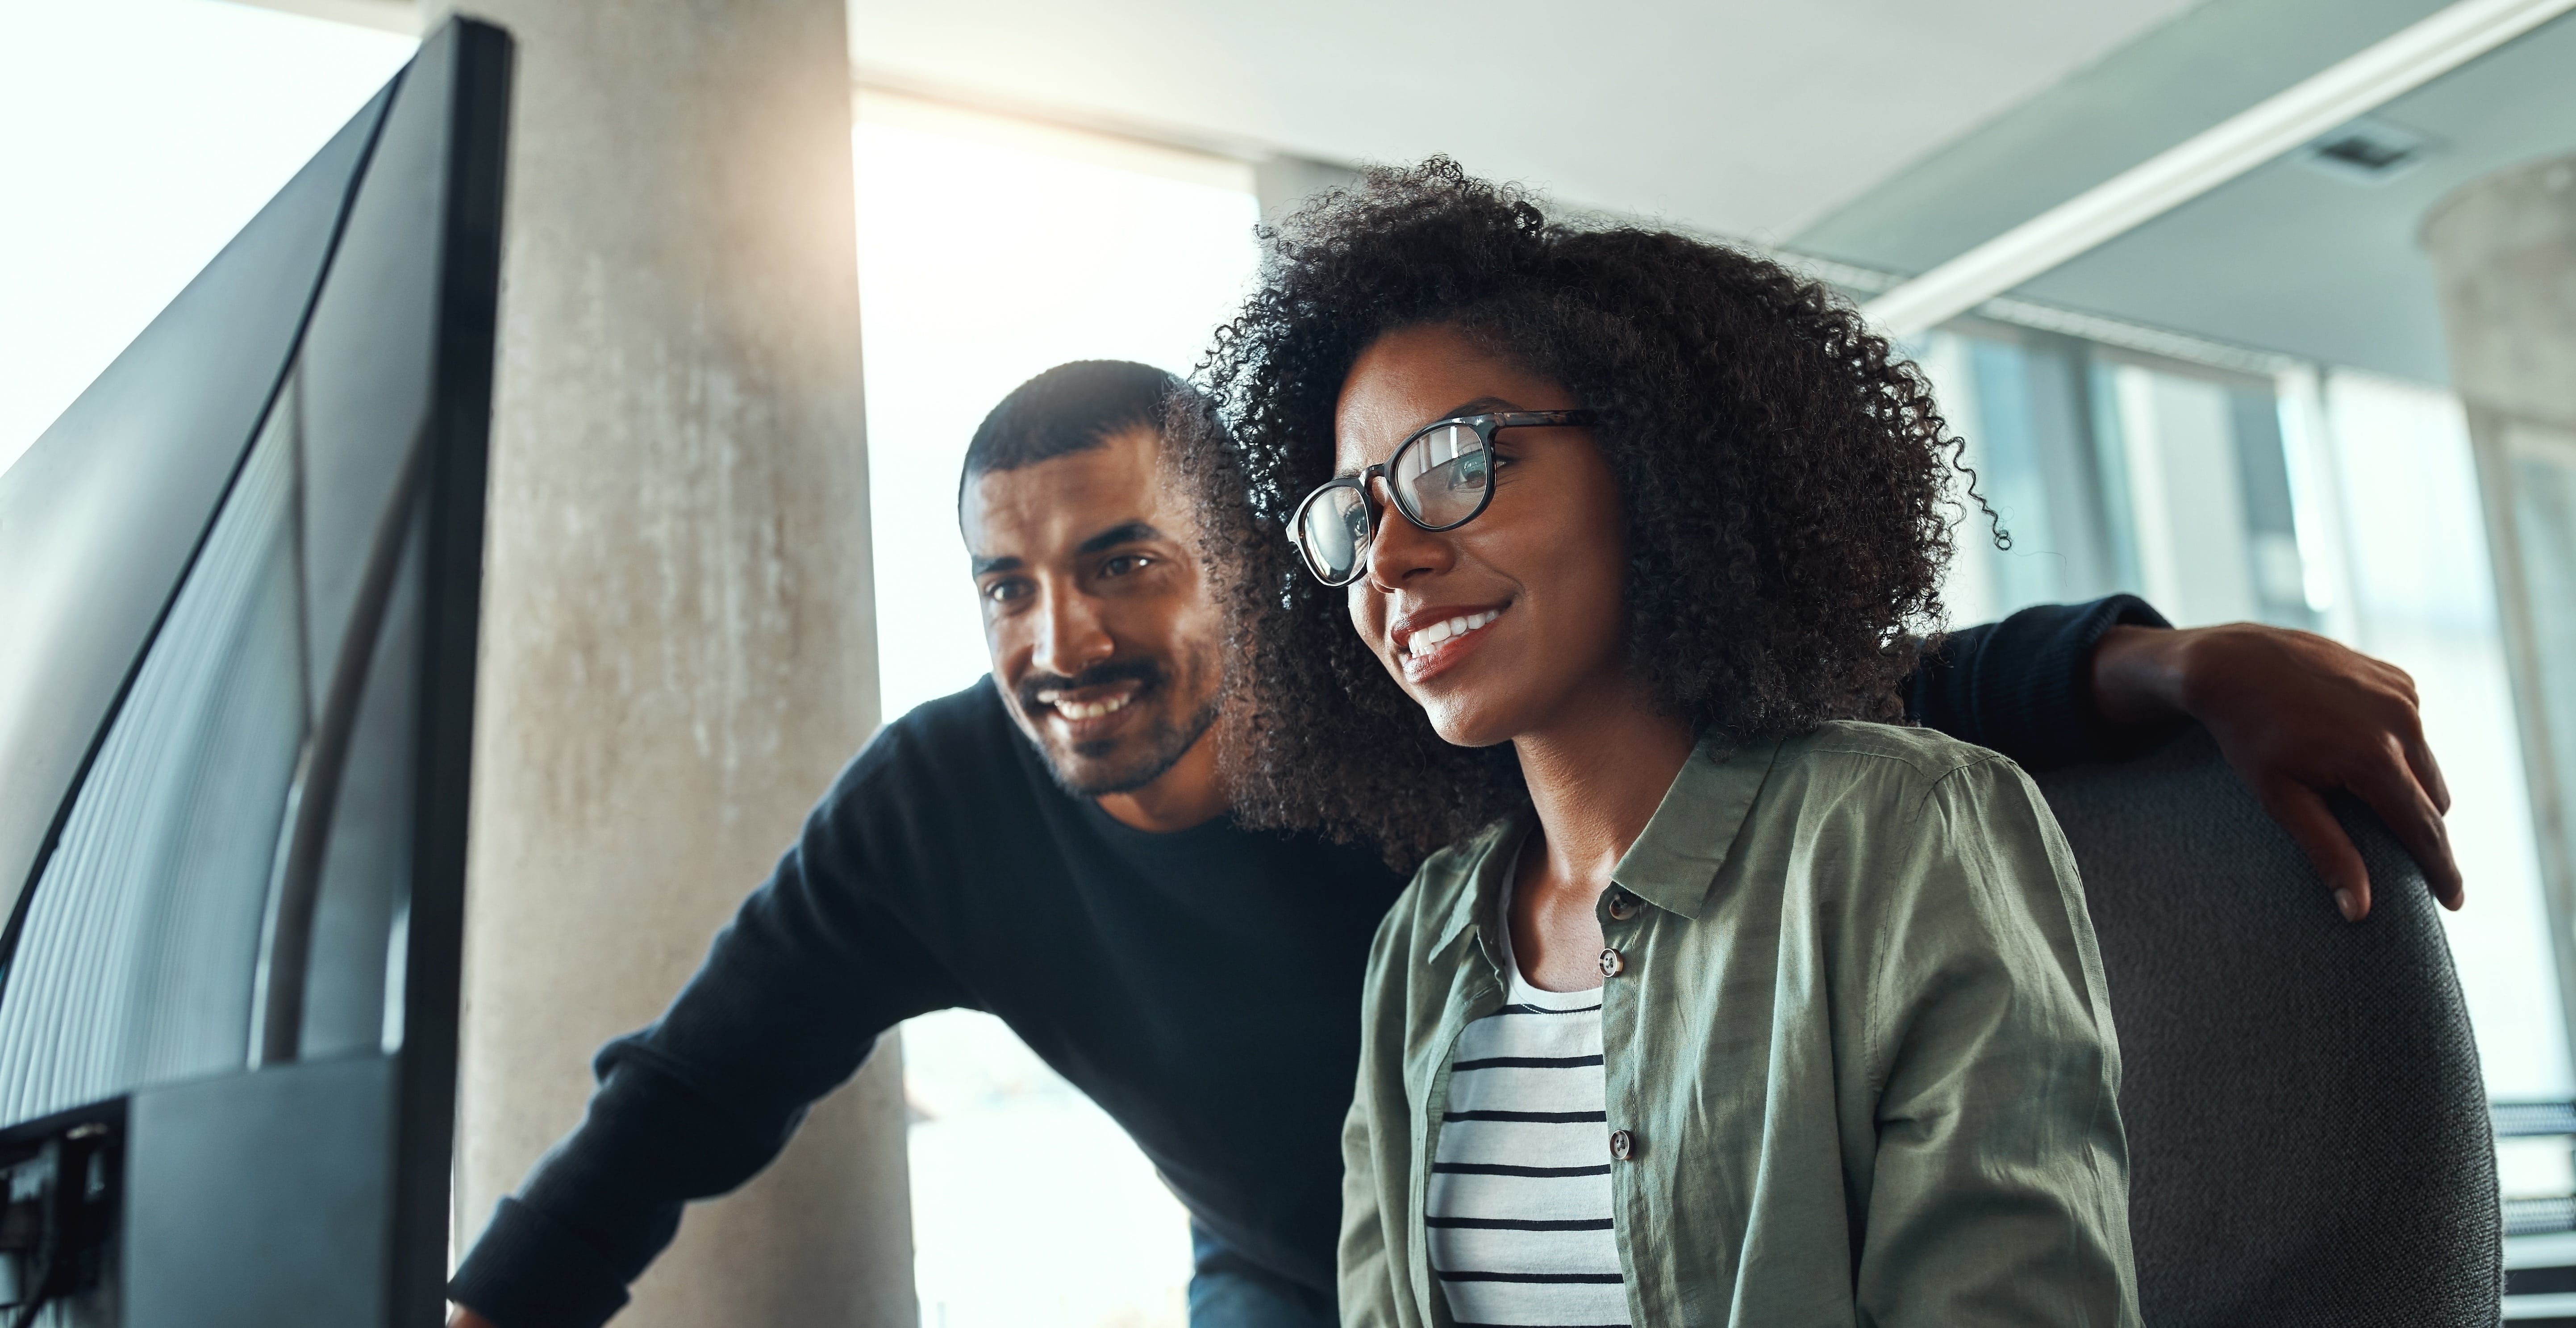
[1529, 591]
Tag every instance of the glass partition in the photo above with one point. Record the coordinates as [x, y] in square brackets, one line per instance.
[2329, 501]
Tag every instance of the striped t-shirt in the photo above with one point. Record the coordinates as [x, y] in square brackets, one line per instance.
[1519, 1210]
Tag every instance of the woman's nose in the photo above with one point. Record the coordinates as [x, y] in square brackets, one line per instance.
[1401, 550]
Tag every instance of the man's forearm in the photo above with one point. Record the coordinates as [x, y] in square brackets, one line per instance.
[2142, 675]
[2298, 717]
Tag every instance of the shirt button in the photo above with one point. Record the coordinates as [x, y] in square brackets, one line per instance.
[1623, 1145]
[1624, 905]
[1611, 963]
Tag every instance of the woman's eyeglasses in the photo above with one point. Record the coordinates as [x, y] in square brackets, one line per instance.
[1441, 479]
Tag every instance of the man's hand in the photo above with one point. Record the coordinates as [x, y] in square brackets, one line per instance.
[465, 1318]
[2298, 716]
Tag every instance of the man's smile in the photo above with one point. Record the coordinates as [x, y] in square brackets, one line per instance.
[1080, 706]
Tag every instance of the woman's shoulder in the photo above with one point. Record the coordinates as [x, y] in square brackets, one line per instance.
[1928, 752]
[1889, 766]
[1913, 815]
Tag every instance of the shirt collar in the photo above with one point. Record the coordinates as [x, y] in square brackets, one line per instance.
[1673, 864]
[1492, 854]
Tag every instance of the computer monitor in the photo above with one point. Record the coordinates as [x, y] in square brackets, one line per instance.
[239, 582]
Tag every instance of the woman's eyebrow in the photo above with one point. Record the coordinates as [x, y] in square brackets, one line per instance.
[1478, 406]
[1474, 406]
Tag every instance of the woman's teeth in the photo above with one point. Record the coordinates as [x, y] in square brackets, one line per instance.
[1086, 709]
[1442, 631]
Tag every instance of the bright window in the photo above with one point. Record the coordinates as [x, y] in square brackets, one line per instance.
[990, 250]
[137, 137]
[2423, 598]
[2343, 503]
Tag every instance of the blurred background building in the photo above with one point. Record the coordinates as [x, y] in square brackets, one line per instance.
[2263, 309]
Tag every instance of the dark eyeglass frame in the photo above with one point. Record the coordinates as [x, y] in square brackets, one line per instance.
[1485, 425]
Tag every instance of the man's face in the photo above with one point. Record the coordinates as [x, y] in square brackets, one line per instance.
[1103, 638]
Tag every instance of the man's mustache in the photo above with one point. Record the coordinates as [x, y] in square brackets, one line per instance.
[1149, 673]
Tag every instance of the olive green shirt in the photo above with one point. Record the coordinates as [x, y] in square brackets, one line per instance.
[1857, 1038]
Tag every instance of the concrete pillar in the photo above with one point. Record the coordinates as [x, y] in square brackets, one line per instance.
[678, 628]
[2504, 256]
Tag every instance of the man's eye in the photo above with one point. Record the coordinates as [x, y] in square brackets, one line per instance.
[1125, 563]
[1003, 592]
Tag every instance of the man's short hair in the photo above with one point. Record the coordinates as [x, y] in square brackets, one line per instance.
[1069, 408]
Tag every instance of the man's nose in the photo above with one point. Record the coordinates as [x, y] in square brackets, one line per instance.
[1071, 637]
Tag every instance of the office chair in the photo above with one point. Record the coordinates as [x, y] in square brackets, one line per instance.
[2308, 1130]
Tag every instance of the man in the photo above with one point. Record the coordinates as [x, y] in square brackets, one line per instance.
[1051, 845]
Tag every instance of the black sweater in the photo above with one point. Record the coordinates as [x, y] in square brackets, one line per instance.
[1202, 987]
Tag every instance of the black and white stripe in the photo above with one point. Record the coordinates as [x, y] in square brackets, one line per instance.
[1519, 1210]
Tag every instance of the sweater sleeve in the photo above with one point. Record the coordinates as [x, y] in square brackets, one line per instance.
[2023, 686]
[787, 1005]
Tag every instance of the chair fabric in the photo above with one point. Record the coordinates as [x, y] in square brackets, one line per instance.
[2308, 1131]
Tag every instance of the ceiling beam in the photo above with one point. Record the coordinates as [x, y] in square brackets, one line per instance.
[401, 16]
[2431, 48]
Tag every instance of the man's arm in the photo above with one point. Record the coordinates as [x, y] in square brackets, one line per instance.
[2297, 716]
[2024, 686]
[789, 1003]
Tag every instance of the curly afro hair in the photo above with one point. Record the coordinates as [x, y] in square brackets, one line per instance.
[1784, 484]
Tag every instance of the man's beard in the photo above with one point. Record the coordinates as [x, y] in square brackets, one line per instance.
[1163, 742]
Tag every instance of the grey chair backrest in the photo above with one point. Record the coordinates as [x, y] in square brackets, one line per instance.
[2308, 1130]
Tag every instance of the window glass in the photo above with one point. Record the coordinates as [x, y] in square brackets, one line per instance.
[140, 136]
[2345, 504]
[2025, 409]
[2423, 598]
[2541, 462]
[2113, 475]
[137, 959]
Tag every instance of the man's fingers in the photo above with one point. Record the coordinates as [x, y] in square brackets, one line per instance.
[2302, 812]
[2408, 812]
[2428, 772]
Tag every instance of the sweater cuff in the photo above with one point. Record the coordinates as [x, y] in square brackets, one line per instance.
[528, 1271]
[2077, 638]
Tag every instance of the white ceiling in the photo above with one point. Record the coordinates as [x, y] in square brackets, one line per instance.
[2320, 264]
[2288, 258]
[1745, 117]
[1889, 134]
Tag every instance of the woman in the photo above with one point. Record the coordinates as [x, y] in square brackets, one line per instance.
[1718, 1005]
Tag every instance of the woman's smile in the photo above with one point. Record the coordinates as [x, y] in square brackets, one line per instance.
[1431, 641]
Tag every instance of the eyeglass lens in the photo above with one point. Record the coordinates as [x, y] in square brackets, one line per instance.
[1334, 532]
[1440, 476]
